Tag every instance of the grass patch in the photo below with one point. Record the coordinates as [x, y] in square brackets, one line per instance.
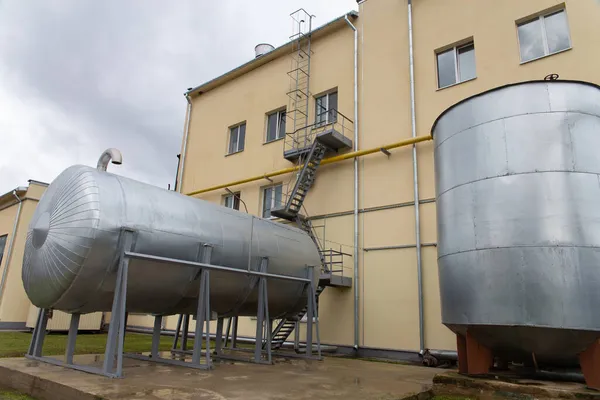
[16, 344]
[8, 395]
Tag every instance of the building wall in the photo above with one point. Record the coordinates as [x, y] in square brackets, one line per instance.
[388, 289]
[14, 304]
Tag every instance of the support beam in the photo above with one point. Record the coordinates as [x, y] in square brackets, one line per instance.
[73, 328]
[263, 320]
[473, 357]
[589, 361]
[177, 332]
[156, 335]
[219, 336]
[203, 311]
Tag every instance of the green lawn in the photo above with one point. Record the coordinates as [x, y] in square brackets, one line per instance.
[15, 344]
[10, 395]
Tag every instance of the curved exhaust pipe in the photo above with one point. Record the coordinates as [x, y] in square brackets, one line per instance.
[108, 155]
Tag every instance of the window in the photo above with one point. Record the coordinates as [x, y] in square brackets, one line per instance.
[456, 65]
[2, 245]
[237, 136]
[232, 200]
[326, 108]
[275, 126]
[544, 35]
[271, 199]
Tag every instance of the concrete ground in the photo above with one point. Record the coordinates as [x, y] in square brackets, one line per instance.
[333, 378]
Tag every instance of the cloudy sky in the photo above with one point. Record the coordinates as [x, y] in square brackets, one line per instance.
[79, 76]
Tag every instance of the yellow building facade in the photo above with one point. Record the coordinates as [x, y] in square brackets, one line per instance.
[460, 48]
[16, 210]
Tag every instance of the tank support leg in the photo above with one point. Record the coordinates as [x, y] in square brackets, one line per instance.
[234, 332]
[116, 330]
[73, 328]
[185, 332]
[177, 332]
[227, 332]
[262, 318]
[203, 311]
[473, 358]
[589, 361]
[39, 334]
[156, 335]
[219, 336]
[312, 317]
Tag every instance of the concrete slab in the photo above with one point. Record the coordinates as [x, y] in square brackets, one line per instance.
[333, 378]
[497, 386]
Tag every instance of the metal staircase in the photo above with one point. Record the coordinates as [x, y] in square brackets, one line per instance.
[306, 178]
[306, 145]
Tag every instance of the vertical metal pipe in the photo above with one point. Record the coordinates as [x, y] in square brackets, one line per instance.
[355, 143]
[413, 120]
[11, 245]
[186, 131]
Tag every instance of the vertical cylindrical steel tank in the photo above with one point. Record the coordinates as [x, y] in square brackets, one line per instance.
[518, 216]
[73, 246]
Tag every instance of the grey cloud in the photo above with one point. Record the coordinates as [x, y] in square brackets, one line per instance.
[81, 76]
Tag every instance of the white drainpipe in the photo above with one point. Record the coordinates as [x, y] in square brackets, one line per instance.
[186, 131]
[355, 143]
[413, 121]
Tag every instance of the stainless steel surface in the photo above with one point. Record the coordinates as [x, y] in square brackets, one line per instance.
[11, 244]
[107, 156]
[188, 119]
[355, 211]
[518, 194]
[262, 48]
[73, 246]
[413, 121]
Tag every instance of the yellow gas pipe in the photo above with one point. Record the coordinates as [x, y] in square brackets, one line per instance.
[330, 160]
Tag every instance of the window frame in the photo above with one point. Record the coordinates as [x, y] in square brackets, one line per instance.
[542, 17]
[278, 134]
[229, 133]
[328, 109]
[454, 49]
[263, 194]
[235, 196]
[5, 237]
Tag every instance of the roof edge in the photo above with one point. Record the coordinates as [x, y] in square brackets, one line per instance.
[273, 54]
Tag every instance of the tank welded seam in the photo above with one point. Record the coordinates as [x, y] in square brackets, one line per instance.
[510, 117]
[66, 192]
[70, 206]
[516, 174]
[523, 325]
[95, 230]
[76, 187]
[521, 246]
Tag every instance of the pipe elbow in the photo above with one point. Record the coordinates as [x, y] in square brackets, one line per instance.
[108, 155]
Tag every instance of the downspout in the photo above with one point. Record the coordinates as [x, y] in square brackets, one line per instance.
[356, 252]
[186, 130]
[11, 245]
[413, 121]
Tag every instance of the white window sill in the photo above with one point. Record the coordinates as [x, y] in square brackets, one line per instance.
[273, 141]
[456, 84]
[234, 153]
[546, 55]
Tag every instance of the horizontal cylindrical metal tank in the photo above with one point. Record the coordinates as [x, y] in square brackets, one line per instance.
[73, 246]
[518, 216]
